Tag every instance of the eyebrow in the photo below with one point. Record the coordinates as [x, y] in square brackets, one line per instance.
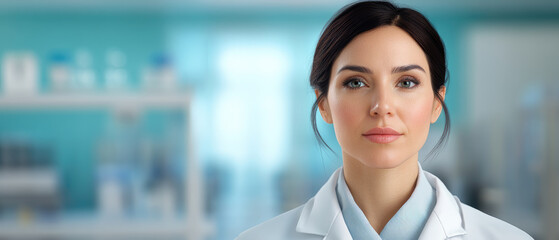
[399, 69]
[407, 68]
[355, 68]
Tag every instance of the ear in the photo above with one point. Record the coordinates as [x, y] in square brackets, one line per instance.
[437, 105]
[324, 108]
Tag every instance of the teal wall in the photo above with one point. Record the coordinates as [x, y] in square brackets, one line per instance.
[139, 36]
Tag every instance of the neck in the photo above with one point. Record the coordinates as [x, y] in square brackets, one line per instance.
[380, 193]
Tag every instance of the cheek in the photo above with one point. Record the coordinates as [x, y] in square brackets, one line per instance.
[346, 112]
[347, 116]
[418, 117]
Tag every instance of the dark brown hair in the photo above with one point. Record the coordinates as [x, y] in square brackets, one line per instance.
[360, 17]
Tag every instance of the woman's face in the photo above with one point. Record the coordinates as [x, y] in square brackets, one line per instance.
[381, 79]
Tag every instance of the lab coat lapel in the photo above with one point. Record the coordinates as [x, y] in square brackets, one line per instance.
[433, 229]
[446, 220]
[339, 230]
[322, 214]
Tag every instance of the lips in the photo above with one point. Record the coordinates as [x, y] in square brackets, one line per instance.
[382, 135]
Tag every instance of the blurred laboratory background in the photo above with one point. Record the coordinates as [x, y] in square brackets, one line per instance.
[123, 119]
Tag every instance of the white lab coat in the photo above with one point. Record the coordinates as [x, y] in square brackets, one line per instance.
[321, 218]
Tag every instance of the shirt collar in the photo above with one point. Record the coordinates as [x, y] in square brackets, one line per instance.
[407, 223]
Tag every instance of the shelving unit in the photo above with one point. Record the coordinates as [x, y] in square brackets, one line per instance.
[88, 100]
[194, 226]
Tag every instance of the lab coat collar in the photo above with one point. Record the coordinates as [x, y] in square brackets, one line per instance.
[446, 220]
[322, 214]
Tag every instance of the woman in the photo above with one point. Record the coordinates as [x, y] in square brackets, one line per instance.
[379, 74]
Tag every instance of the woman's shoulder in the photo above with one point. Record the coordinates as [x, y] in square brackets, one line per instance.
[280, 227]
[478, 223]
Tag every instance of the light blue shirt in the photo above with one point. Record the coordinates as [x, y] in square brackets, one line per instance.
[407, 223]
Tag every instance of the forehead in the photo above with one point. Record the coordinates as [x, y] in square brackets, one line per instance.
[382, 48]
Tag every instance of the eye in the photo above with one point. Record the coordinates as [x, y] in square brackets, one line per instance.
[354, 83]
[408, 83]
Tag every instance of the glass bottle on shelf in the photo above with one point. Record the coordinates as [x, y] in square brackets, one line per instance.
[85, 78]
[160, 74]
[20, 73]
[116, 77]
[60, 72]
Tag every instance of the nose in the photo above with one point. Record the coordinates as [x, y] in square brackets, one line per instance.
[381, 104]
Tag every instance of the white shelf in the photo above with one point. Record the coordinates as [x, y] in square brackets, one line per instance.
[79, 228]
[38, 181]
[96, 100]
